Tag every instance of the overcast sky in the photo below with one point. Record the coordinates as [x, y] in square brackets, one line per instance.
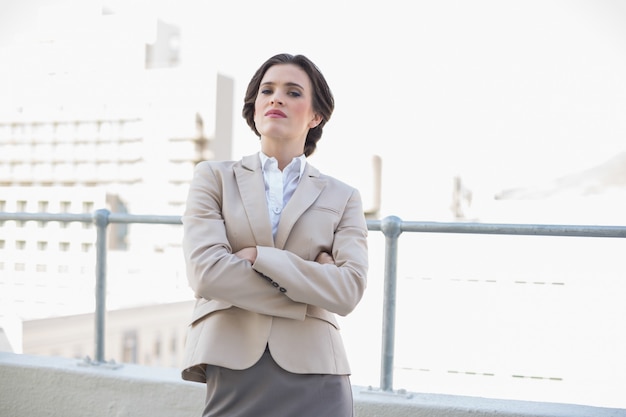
[502, 93]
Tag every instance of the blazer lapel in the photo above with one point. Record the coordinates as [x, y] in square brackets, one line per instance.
[309, 188]
[252, 190]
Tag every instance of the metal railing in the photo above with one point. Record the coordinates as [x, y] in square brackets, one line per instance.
[391, 227]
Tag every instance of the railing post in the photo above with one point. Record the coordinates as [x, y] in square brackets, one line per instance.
[101, 220]
[392, 228]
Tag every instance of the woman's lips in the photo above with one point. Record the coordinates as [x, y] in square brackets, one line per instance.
[275, 114]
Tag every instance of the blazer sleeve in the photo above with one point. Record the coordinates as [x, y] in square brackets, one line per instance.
[213, 271]
[337, 288]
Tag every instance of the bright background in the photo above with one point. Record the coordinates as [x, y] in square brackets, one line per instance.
[500, 93]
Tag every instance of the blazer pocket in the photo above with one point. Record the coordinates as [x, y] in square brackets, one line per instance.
[205, 307]
[321, 314]
[327, 209]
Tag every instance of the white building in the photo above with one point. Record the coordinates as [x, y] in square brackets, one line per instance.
[99, 115]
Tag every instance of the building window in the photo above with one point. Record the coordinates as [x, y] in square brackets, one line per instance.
[64, 246]
[42, 245]
[2, 244]
[20, 244]
[19, 266]
[86, 247]
[157, 348]
[129, 347]
[21, 207]
[173, 344]
[65, 207]
[87, 208]
[43, 208]
[41, 268]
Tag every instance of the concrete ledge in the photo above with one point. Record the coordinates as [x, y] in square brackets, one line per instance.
[37, 386]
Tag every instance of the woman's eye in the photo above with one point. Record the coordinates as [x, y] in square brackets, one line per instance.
[295, 93]
[266, 91]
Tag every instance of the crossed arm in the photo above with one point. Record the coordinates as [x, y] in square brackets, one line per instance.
[334, 280]
[249, 254]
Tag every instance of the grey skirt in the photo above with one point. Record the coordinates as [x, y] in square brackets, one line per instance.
[266, 390]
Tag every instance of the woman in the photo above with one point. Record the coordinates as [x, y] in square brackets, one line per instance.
[274, 249]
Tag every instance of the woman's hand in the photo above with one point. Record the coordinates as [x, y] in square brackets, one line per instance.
[248, 254]
[325, 258]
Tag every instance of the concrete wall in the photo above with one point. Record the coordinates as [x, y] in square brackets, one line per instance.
[47, 386]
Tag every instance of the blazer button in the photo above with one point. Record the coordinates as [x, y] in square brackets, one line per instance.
[282, 289]
[275, 284]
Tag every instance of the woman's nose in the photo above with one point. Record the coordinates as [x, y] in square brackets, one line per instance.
[276, 99]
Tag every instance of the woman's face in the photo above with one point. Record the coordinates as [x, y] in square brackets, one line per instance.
[283, 108]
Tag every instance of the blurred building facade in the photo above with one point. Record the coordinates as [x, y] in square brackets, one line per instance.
[104, 116]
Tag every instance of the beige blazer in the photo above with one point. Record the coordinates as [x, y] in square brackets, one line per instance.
[285, 299]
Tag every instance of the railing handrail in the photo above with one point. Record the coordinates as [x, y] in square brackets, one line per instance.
[527, 229]
[392, 227]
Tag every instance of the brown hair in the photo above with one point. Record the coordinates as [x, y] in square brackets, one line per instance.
[323, 101]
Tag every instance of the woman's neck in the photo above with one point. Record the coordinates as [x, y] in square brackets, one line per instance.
[283, 152]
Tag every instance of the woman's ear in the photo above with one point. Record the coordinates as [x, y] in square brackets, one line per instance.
[315, 121]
